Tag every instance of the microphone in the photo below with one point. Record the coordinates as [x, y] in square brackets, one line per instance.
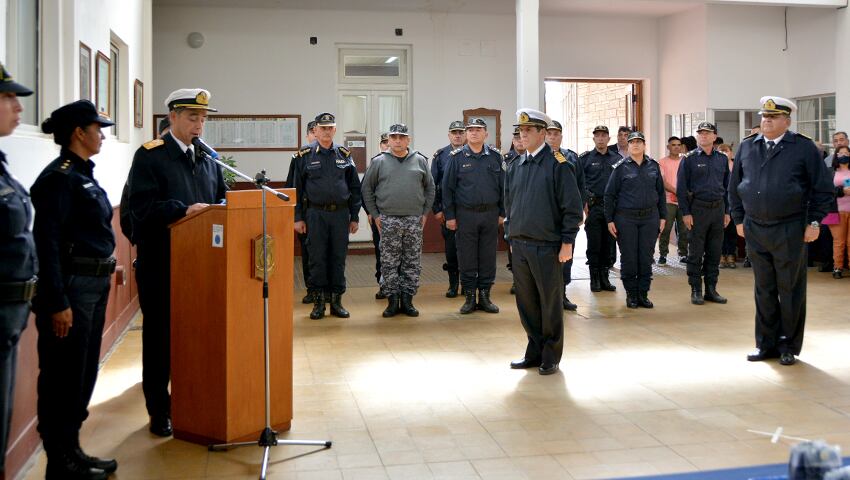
[202, 145]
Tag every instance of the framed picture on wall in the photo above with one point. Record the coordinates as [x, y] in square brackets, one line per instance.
[138, 98]
[103, 84]
[493, 119]
[85, 72]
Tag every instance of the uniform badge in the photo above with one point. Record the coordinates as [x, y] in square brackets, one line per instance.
[202, 99]
[770, 104]
[560, 157]
[344, 151]
[523, 117]
[153, 143]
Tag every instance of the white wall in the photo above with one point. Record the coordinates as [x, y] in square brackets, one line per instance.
[842, 70]
[260, 61]
[67, 22]
[745, 46]
[603, 47]
[683, 78]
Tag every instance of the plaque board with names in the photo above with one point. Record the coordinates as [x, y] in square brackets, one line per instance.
[234, 133]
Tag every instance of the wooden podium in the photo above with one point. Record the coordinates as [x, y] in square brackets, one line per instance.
[217, 360]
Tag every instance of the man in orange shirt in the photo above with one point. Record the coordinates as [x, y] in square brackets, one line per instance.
[669, 169]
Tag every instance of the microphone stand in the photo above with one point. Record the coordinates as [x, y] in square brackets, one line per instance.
[268, 437]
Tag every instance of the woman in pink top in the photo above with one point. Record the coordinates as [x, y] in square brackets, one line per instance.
[841, 230]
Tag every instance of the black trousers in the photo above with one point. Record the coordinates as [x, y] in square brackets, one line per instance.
[567, 269]
[821, 249]
[600, 243]
[636, 236]
[705, 240]
[153, 275]
[376, 241]
[68, 366]
[778, 255]
[539, 292]
[449, 238]
[305, 260]
[13, 320]
[327, 242]
[477, 239]
[730, 240]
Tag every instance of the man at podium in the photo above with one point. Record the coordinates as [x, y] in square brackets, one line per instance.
[167, 182]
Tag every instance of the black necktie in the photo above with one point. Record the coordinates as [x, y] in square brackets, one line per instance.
[190, 155]
[770, 145]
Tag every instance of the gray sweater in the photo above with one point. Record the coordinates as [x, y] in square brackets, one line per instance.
[398, 187]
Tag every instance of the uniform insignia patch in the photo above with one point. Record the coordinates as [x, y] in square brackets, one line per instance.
[456, 151]
[303, 151]
[153, 143]
[345, 151]
[560, 157]
[620, 162]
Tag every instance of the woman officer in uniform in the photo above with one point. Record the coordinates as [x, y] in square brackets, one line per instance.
[75, 242]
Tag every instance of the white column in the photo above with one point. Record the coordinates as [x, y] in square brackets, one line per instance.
[528, 54]
[842, 69]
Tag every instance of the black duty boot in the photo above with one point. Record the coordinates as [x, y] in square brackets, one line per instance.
[484, 302]
[407, 305]
[568, 305]
[469, 305]
[66, 466]
[453, 279]
[309, 298]
[595, 282]
[513, 288]
[392, 306]
[711, 294]
[605, 282]
[318, 306]
[108, 465]
[643, 300]
[336, 306]
[632, 299]
[696, 295]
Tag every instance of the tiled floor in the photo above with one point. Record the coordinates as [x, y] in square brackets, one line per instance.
[641, 392]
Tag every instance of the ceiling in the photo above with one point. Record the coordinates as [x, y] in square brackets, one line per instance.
[650, 8]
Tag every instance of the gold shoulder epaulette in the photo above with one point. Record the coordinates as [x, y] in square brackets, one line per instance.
[345, 151]
[750, 136]
[153, 143]
[303, 151]
[456, 151]
[559, 157]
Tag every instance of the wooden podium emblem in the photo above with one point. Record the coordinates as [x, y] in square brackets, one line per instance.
[257, 248]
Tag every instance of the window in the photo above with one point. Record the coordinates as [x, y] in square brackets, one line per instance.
[114, 104]
[684, 124]
[816, 118]
[385, 66]
[22, 47]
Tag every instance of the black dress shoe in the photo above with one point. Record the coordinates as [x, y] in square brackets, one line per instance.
[662, 260]
[761, 354]
[787, 359]
[548, 368]
[513, 289]
[643, 300]
[66, 466]
[108, 465]
[568, 305]
[308, 299]
[161, 426]
[524, 363]
[747, 263]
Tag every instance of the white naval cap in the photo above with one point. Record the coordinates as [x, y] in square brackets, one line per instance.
[771, 105]
[196, 98]
[532, 117]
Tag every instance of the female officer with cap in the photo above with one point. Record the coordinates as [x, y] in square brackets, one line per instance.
[635, 209]
[18, 264]
[75, 242]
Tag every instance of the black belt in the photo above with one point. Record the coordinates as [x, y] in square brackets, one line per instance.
[330, 207]
[705, 204]
[595, 200]
[479, 208]
[90, 267]
[636, 212]
[14, 292]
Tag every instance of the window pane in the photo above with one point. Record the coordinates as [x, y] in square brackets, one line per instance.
[22, 52]
[809, 128]
[371, 66]
[389, 111]
[808, 109]
[353, 114]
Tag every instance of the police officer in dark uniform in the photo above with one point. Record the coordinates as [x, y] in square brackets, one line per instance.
[327, 181]
[473, 203]
[168, 180]
[779, 192]
[376, 233]
[635, 209]
[702, 182]
[554, 137]
[516, 151]
[75, 242]
[598, 164]
[439, 163]
[18, 262]
[544, 206]
[302, 238]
